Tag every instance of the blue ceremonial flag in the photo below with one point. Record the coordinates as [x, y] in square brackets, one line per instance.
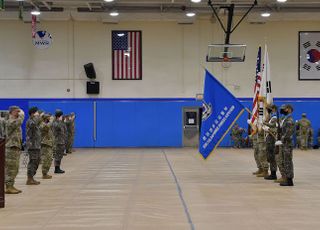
[220, 111]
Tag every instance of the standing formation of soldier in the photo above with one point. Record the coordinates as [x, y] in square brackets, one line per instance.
[273, 145]
[47, 137]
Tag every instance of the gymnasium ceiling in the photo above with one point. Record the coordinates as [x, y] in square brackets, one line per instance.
[161, 9]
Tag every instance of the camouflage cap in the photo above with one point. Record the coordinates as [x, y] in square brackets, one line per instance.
[46, 116]
[287, 106]
[271, 106]
[12, 108]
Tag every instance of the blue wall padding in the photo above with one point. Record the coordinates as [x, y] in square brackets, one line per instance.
[143, 122]
[140, 123]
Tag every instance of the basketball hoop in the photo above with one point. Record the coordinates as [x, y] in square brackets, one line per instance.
[226, 64]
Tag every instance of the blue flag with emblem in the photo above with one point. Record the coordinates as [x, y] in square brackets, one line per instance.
[220, 111]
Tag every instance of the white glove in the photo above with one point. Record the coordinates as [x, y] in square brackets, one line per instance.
[265, 128]
[278, 143]
[249, 122]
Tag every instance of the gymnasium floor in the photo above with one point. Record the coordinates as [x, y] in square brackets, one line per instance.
[166, 189]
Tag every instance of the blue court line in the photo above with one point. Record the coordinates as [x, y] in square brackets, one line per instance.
[185, 207]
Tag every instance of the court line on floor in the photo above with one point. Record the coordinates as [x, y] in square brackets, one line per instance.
[185, 207]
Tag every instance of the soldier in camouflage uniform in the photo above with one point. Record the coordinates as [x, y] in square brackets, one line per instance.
[59, 140]
[262, 152]
[253, 138]
[70, 132]
[271, 129]
[33, 142]
[304, 125]
[46, 145]
[73, 130]
[13, 147]
[287, 131]
[2, 127]
[310, 138]
[236, 135]
[65, 118]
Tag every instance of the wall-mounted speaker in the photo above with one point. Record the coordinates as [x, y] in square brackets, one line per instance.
[93, 87]
[90, 71]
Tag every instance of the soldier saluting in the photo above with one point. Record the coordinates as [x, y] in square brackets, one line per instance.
[13, 134]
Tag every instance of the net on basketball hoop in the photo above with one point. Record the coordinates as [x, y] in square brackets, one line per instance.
[226, 53]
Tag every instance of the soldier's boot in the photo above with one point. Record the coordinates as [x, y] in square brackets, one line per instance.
[31, 181]
[58, 170]
[257, 172]
[46, 176]
[272, 176]
[280, 180]
[17, 189]
[288, 182]
[264, 173]
[10, 190]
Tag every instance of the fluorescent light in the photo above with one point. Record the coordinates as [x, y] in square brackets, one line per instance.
[35, 12]
[196, 1]
[191, 14]
[281, 0]
[114, 13]
[265, 14]
[108, 0]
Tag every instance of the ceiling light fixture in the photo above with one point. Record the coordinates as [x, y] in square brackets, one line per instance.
[191, 14]
[35, 12]
[108, 0]
[281, 0]
[114, 14]
[196, 1]
[265, 14]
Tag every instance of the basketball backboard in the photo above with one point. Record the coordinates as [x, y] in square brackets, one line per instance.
[226, 52]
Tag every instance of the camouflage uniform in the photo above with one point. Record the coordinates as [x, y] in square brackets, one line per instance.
[70, 135]
[13, 148]
[310, 138]
[46, 146]
[287, 131]
[262, 150]
[270, 142]
[2, 128]
[236, 135]
[59, 140]
[256, 150]
[65, 134]
[304, 126]
[33, 142]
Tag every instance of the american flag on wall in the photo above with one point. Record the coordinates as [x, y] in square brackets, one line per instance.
[126, 55]
[257, 87]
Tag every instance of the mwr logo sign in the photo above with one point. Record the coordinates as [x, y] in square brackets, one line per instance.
[42, 40]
